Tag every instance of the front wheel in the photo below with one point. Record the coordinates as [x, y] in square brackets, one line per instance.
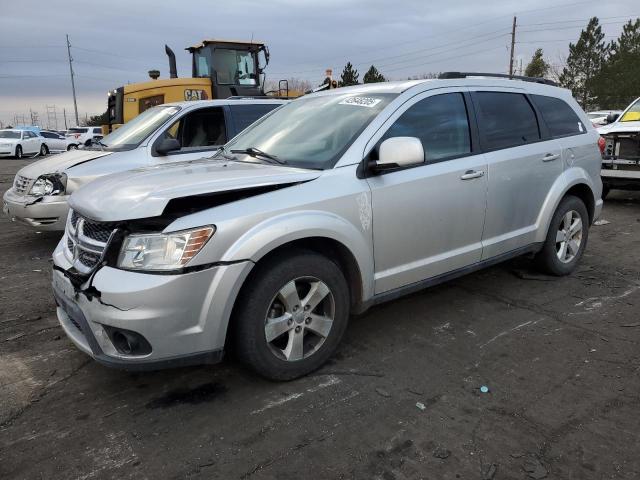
[43, 150]
[18, 152]
[72, 147]
[291, 315]
[566, 238]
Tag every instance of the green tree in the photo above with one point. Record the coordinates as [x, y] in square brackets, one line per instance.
[537, 67]
[584, 63]
[618, 83]
[349, 76]
[373, 76]
[98, 120]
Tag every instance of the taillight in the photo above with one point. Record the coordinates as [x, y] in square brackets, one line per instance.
[601, 144]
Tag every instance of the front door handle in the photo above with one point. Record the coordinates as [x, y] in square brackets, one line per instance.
[471, 174]
[550, 157]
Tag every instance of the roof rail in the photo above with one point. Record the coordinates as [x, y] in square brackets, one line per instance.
[447, 75]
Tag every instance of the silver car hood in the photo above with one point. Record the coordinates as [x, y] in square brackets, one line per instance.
[59, 163]
[145, 192]
[620, 127]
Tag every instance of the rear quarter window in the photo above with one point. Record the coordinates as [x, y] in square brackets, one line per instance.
[245, 115]
[560, 118]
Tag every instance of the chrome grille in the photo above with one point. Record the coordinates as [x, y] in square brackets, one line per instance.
[86, 241]
[21, 184]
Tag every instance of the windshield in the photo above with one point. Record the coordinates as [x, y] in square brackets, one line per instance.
[132, 133]
[234, 67]
[312, 132]
[9, 134]
[633, 113]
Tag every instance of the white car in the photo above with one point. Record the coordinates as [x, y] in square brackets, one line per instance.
[56, 142]
[82, 136]
[17, 143]
[620, 147]
[600, 117]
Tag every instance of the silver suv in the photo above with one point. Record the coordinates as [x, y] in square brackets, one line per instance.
[166, 133]
[335, 202]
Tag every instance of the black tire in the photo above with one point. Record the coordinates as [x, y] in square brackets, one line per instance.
[547, 259]
[605, 191]
[18, 152]
[72, 147]
[44, 150]
[254, 304]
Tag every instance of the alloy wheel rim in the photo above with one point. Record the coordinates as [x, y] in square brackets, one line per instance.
[299, 318]
[569, 236]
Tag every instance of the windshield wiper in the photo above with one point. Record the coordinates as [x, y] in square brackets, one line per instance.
[255, 153]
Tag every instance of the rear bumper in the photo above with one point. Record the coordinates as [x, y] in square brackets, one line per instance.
[44, 213]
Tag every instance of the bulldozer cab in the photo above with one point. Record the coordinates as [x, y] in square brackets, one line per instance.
[234, 67]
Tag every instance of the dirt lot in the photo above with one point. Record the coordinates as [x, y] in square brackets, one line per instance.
[402, 398]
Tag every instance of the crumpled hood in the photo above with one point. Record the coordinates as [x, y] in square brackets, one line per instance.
[620, 127]
[60, 162]
[145, 192]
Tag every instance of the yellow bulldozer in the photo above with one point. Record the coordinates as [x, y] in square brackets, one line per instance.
[220, 69]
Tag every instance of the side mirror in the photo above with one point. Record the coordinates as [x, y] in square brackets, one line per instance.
[612, 117]
[399, 152]
[167, 145]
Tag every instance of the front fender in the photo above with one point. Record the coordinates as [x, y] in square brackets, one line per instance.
[571, 177]
[274, 232]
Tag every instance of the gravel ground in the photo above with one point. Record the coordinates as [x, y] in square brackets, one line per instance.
[402, 399]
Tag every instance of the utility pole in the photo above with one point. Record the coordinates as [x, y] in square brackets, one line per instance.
[64, 112]
[73, 84]
[513, 45]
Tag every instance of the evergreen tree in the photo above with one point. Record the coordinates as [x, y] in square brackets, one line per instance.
[619, 80]
[373, 76]
[537, 66]
[586, 58]
[349, 76]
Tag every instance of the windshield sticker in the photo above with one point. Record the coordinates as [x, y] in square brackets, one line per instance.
[368, 102]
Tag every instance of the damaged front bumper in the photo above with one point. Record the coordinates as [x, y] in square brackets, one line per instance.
[43, 213]
[182, 318]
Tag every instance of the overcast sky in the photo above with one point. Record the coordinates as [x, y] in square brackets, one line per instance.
[121, 41]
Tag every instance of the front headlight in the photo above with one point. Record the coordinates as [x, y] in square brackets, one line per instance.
[53, 184]
[160, 251]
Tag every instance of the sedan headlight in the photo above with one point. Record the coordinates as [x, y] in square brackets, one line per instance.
[53, 184]
[160, 251]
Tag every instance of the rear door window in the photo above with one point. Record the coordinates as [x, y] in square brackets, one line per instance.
[441, 124]
[245, 115]
[506, 120]
[559, 117]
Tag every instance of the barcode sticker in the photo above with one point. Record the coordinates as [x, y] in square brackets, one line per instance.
[368, 102]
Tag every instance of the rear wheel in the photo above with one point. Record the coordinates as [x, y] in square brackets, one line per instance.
[566, 239]
[18, 151]
[291, 315]
[44, 150]
[605, 191]
[72, 147]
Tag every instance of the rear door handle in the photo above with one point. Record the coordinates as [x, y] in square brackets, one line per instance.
[471, 174]
[550, 157]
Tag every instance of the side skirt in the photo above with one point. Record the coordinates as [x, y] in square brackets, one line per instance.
[430, 282]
